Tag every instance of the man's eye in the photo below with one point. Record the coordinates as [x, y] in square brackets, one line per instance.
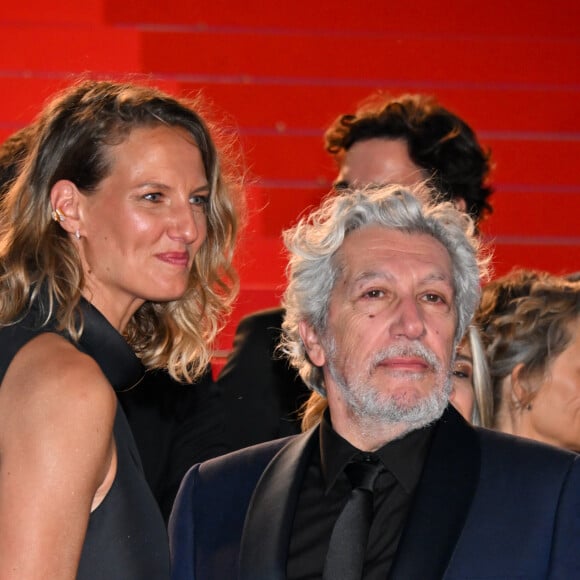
[374, 294]
[434, 298]
[153, 196]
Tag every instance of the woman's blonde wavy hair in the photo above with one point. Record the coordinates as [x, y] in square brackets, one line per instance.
[71, 141]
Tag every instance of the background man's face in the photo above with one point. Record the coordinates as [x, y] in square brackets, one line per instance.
[378, 161]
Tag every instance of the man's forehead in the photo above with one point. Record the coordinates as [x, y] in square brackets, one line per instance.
[379, 161]
[374, 243]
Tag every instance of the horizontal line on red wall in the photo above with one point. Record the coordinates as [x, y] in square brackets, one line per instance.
[417, 85]
[314, 81]
[299, 108]
[221, 79]
[345, 35]
[523, 188]
[272, 156]
[541, 136]
[413, 84]
[529, 135]
[516, 188]
[489, 62]
[291, 183]
[493, 17]
[499, 135]
[534, 240]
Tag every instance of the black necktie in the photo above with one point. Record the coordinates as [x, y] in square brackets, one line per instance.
[348, 542]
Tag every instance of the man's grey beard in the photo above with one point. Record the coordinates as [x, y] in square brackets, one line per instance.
[370, 405]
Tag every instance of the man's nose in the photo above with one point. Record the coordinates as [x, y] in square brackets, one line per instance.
[408, 319]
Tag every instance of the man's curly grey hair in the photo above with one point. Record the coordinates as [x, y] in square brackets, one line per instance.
[313, 243]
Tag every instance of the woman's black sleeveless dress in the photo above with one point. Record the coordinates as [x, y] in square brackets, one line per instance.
[126, 537]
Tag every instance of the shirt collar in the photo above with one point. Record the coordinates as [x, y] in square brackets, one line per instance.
[404, 457]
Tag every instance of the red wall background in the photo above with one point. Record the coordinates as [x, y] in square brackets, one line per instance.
[280, 73]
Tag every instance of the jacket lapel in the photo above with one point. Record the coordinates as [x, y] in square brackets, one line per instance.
[442, 501]
[268, 524]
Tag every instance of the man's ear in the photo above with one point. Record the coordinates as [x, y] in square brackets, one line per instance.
[312, 343]
[64, 199]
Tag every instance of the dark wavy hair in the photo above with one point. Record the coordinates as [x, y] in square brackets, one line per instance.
[439, 142]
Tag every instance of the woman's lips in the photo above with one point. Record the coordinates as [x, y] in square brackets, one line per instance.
[174, 258]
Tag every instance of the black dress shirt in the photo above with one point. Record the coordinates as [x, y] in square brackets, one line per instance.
[326, 488]
[175, 426]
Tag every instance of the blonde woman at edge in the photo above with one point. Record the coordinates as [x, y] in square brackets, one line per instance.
[115, 250]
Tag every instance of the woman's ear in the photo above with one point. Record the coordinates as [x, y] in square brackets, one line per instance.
[521, 396]
[312, 343]
[64, 199]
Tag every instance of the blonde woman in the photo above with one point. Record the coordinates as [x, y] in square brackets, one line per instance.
[115, 248]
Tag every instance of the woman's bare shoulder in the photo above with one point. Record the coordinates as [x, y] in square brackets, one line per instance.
[50, 362]
[57, 450]
[50, 382]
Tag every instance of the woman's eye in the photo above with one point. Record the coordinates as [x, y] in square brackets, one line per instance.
[463, 372]
[199, 201]
[153, 196]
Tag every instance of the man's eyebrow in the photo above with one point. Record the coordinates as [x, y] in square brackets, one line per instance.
[433, 277]
[371, 274]
[437, 277]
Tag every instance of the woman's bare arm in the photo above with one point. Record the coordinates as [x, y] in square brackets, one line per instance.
[57, 457]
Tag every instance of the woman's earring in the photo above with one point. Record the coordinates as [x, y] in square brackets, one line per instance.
[78, 235]
[57, 215]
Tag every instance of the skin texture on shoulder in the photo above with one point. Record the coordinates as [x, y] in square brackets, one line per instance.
[56, 418]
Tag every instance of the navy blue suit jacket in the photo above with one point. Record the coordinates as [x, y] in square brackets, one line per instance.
[487, 506]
